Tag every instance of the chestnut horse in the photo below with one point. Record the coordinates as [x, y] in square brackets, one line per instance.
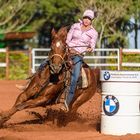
[48, 84]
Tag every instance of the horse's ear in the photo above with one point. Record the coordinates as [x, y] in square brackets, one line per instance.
[63, 33]
[53, 32]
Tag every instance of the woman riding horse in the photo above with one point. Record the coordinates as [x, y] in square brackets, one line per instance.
[39, 92]
[81, 38]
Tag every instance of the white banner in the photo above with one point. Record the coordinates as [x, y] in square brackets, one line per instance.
[133, 76]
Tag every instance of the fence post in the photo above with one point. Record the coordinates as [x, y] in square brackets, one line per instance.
[120, 60]
[7, 62]
[30, 60]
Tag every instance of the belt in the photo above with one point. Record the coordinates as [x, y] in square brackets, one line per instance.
[74, 52]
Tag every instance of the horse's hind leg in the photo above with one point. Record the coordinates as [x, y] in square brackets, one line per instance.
[81, 99]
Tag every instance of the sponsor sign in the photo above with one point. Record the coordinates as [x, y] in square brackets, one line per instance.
[120, 76]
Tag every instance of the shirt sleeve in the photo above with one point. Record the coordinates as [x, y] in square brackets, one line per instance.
[93, 40]
[69, 35]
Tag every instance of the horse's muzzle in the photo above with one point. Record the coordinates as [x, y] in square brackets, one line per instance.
[55, 69]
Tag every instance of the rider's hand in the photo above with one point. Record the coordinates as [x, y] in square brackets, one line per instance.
[89, 49]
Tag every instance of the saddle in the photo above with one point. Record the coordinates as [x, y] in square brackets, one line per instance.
[81, 84]
[83, 80]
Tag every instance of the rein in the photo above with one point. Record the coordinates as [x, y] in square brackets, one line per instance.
[58, 56]
[62, 58]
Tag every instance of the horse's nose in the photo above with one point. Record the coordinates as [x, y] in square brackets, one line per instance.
[56, 68]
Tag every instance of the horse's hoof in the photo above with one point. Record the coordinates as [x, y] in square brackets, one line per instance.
[64, 108]
[20, 87]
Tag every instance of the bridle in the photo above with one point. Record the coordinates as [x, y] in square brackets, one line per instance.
[58, 56]
[55, 67]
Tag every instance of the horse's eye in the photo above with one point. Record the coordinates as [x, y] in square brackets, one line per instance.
[64, 49]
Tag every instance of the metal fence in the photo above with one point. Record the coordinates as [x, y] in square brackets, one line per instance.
[103, 58]
[5, 59]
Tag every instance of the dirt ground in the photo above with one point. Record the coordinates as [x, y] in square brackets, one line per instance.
[51, 124]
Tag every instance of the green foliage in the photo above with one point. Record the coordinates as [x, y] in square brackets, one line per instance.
[112, 19]
[19, 66]
[2, 57]
[29, 15]
[58, 12]
[131, 58]
[14, 15]
[128, 58]
[2, 69]
[2, 73]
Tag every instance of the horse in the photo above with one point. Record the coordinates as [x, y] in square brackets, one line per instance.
[47, 86]
[93, 75]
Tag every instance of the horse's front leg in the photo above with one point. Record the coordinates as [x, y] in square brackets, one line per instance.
[32, 103]
[47, 95]
[6, 115]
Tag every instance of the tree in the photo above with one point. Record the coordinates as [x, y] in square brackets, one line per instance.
[56, 14]
[135, 14]
[16, 14]
[109, 12]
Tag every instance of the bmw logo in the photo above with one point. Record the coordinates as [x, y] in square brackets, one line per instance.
[106, 75]
[110, 105]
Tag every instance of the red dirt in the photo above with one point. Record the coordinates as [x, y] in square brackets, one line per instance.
[24, 125]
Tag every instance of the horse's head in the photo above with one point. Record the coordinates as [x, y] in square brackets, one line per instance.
[58, 50]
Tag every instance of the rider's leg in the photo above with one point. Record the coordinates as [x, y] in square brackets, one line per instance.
[74, 78]
[43, 65]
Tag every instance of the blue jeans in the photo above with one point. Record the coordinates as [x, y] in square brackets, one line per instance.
[77, 60]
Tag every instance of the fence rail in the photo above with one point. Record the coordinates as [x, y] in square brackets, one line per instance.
[100, 58]
[103, 58]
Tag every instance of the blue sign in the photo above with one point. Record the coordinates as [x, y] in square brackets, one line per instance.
[110, 105]
[106, 75]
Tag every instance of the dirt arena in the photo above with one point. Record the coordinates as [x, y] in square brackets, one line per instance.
[52, 125]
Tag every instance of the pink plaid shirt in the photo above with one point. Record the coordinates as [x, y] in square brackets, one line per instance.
[77, 37]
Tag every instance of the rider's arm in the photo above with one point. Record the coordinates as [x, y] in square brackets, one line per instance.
[93, 40]
[70, 35]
